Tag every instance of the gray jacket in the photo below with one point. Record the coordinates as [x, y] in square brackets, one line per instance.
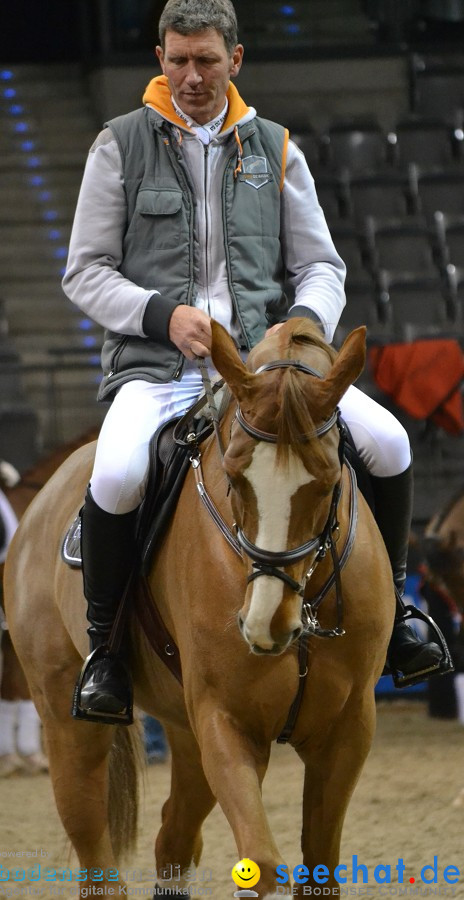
[111, 286]
[159, 244]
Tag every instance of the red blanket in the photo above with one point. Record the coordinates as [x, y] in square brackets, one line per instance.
[424, 379]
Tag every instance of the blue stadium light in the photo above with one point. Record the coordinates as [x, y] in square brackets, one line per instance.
[49, 215]
[60, 253]
[44, 196]
[54, 234]
[36, 180]
[292, 28]
[287, 10]
[89, 341]
[8, 93]
[33, 162]
[15, 109]
[21, 127]
[6, 75]
[27, 146]
[85, 324]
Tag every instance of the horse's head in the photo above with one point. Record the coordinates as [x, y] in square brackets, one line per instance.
[283, 465]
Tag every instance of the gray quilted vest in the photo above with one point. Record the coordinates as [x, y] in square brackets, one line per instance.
[159, 240]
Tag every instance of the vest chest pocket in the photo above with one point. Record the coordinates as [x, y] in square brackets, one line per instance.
[158, 217]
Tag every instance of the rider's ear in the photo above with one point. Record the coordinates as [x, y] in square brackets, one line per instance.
[228, 362]
[345, 370]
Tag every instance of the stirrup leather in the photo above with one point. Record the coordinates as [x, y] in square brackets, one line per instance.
[126, 717]
[443, 665]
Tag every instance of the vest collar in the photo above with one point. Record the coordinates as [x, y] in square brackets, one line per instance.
[158, 96]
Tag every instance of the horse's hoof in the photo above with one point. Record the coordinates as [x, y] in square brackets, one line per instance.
[11, 764]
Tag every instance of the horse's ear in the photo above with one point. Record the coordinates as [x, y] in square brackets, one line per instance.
[228, 361]
[345, 370]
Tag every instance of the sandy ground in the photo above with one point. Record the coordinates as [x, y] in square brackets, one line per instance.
[402, 808]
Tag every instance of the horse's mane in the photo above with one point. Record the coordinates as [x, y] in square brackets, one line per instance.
[294, 418]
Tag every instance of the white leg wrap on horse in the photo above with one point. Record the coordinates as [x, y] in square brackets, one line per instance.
[8, 710]
[28, 737]
[381, 441]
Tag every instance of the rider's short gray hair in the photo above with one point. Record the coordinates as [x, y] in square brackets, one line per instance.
[190, 16]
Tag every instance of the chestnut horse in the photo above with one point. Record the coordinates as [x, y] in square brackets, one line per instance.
[235, 618]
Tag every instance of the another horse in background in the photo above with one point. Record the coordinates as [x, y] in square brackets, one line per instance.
[241, 613]
[443, 549]
[444, 546]
[19, 490]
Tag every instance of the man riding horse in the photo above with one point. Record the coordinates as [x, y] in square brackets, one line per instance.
[194, 207]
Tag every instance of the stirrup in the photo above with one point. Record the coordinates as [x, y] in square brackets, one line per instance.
[124, 718]
[442, 667]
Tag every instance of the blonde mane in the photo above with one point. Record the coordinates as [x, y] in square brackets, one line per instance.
[295, 423]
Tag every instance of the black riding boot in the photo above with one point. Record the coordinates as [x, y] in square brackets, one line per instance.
[407, 653]
[104, 690]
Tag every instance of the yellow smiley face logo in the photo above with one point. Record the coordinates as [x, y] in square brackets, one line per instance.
[246, 873]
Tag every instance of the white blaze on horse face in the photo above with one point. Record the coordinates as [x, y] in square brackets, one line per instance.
[274, 486]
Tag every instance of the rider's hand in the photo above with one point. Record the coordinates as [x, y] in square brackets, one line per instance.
[190, 331]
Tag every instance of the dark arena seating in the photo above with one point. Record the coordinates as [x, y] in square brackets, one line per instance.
[373, 94]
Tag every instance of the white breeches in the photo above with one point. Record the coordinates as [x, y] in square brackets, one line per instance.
[120, 471]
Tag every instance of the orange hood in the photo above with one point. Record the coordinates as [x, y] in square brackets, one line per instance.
[158, 95]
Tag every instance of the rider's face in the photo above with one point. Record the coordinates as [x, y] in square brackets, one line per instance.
[198, 67]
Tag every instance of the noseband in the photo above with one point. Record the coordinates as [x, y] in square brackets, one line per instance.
[268, 562]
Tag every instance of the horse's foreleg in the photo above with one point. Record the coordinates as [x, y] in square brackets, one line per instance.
[235, 767]
[331, 774]
[179, 842]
